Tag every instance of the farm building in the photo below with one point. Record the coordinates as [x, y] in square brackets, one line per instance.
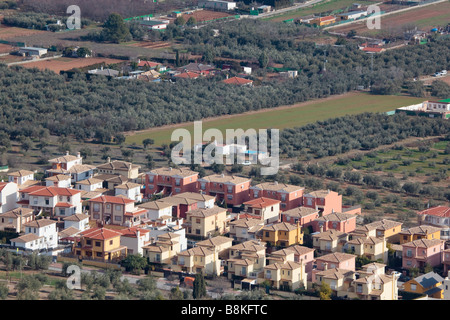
[217, 5]
[104, 72]
[353, 15]
[238, 81]
[154, 24]
[323, 21]
[31, 51]
[432, 109]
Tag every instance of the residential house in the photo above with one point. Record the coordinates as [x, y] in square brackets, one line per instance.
[374, 285]
[99, 244]
[57, 202]
[187, 75]
[205, 222]
[164, 249]
[89, 185]
[59, 180]
[14, 219]
[8, 196]
[135, 239]
[296, 253]
[70, 165]
[110, 181]
[290, 196]
[170, 181]
[245, 229]
[334, 260]
[329, 241]
[437, 216]
[246, 260]
[238, 81]
[384, 228]
[422, 252]
[180, 205]
[265, 209]
[428, 284]
[203, 200]
[150, 65]
[338, 279]
[285, 276]
[197, 260]
[130, 190]
[302, 215]
[338, 221]
[198, 68]
[115, 210]
[232, 190]
[220, 244]
[79, 221]
[39, 235]
[21, 176]
[118, 167]
[156, 209]
[420, 232]
[282, 234]
[326, 201]
[373, 248]
[158, 228]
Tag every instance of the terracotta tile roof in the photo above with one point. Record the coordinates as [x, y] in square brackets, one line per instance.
[336, 274]
[282, 226]
[320, 193]
[439, 211]
[197, 251]
[194, 196]
[58, 177]
[26, 238]
[177, 200]
[237, 80]
[115, 178]
[330, 235]
[205, 212]
[68, 232]
[249, 246]
[155, 205]
[128, 186]
[300, 250]
[337, 217]
[20, 173]
[89, 181]
[300, 212]
[424, 230]
[213, 242]
[247, 222]
[64, 159]
[111, 199]
[277, 186]
[262, 202]
[39, 223]
[179, 172]
[150, 64]
[64, 205]
[372, 49]
[118, 165]
[132, 232]
[100, 233]
[336, 257]
[76, 217]
[135, 212]
[15, 213]
[288, 265]
[43, 191]
[382, 225]
[187, 75]
[3, 185]
[221, 178]
[78, 168]
[423, 243]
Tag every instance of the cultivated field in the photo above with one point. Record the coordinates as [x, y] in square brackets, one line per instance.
[7, 33]
[205, 15]
[424, 18]
[64, 64]
[285, 116]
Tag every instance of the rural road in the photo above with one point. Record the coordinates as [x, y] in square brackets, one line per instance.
[280, 11]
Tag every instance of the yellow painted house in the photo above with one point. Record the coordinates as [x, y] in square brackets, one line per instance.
[286, 276]
[420, 232]
[99, 244]
[282, 234]
[164, 249]
[206, 221]
[387, 229]
[427, 284]
[371, 247]
[198, 260]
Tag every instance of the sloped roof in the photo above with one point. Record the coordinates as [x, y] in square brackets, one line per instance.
[237, 80]
[100, 233]
[277, 186]
[262, 202]
[429, 279]
[439, 211]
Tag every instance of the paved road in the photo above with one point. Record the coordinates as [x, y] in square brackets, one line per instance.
[284, 10]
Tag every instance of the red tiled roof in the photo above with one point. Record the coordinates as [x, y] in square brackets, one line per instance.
[439, 211]
[63, 205]
[188, 75]
[262, 202]
[111, 199]
[237, 80]
[2, 185]
[135, 213]
[371, 49]
[50, 191]
[100, 233]
[151, 64]
[132, 232]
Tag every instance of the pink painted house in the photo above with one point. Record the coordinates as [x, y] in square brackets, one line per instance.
[338, 221]
[420, 252]
[170, 181]
[306, 255]
[303, 215]
[326, 201]
[334, 260]
[290, 196]
[232, 190]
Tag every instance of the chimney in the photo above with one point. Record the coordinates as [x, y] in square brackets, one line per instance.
[321, 228]
[138, 233]
[78, 155]
[325, 266]
[108, 159]
[275, 182]
[67, 153]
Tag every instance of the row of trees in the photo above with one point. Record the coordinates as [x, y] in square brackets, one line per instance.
[39, 21]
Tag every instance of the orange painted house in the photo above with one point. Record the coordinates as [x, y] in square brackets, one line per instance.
[170, 181]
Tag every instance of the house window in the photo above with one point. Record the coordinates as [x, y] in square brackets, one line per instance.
[203, 186]
[117, 218]
[413, 287]
[151, 178]
[98, 244]
[230, 189]
[96, 216]
[267, 234]
[229, 197]
[62, 212]
[108, 206]
[110, 242]
[96, 207]
[177, 182]
[47, 201]
[88, 242]
[283, 197]
[98, 254]
[118, 207]
[255, 194]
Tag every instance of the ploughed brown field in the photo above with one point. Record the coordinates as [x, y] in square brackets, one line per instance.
[64, 64]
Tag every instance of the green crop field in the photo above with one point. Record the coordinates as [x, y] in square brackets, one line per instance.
[287, 117]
